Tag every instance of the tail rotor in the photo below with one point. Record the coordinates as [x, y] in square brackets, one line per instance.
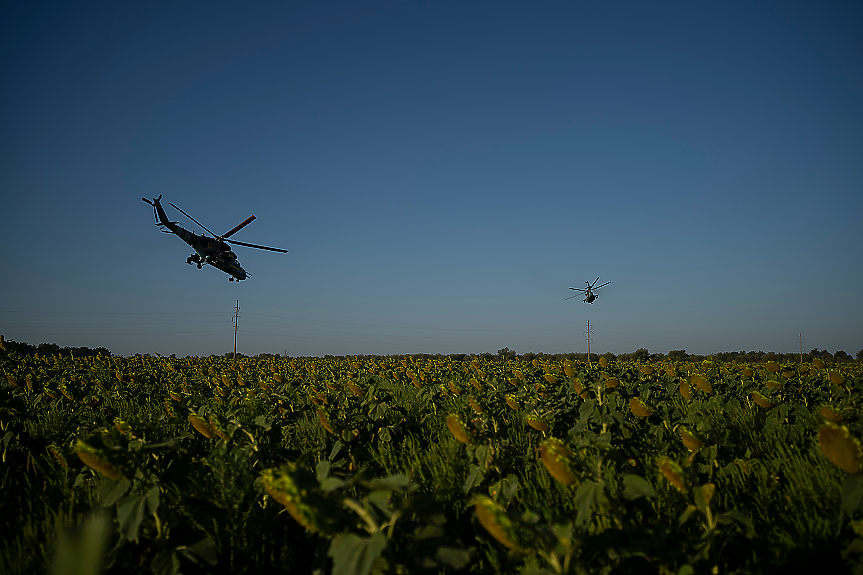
[153, 203]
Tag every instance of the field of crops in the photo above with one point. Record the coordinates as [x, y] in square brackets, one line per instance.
[428, 465]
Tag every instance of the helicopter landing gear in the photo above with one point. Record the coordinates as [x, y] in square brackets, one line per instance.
[230, 279]
[195, 258]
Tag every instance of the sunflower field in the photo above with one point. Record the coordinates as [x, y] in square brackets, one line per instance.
[428, 465]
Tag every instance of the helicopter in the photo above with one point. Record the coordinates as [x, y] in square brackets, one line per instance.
[214, 251]
[589, 296]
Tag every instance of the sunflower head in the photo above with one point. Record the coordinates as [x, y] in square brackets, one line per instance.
[537, 423]
[458, 429]
[673, 473]
[638, 408]
[555, 456]
[497, 523]
[840, 447]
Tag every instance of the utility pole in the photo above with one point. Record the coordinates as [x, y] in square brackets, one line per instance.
[587, 333]
[801, 347]
[236, 326]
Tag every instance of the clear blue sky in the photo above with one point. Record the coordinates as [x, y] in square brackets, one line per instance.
[441, 173]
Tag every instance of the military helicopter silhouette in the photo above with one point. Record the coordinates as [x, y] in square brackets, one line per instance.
[213, 251]
[589, 296]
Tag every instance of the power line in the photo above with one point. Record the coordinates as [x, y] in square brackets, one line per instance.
[101, 333]
[385, 324]
[443, 337]
[395, 325]
[114, 312]
[420, 326]
[302, 337]
[389, 343]
[681, 336]
[110, 323]
[516, 332]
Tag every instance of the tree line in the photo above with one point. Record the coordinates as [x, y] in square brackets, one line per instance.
[43, 349]
[641, 354]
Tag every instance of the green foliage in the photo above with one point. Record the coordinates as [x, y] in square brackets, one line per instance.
[360, 465]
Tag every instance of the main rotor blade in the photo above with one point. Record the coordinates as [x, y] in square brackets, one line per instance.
[193, 219]
[594, 283]
[605, 284]
[578, 289]
[239, 227]
[256, 246]
[570, 297]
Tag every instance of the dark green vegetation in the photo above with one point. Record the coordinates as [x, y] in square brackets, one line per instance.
[428, 465]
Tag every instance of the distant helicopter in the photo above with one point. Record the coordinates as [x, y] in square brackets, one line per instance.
[589, 296]
[213, 251]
